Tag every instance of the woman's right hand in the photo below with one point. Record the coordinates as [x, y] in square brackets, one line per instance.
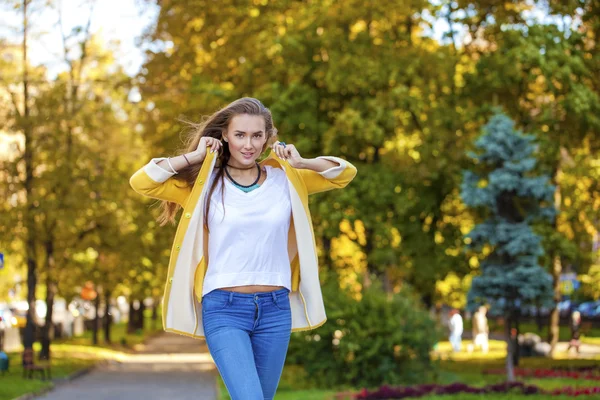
[214, 144]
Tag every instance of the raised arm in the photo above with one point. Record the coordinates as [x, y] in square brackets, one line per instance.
[326, 173]
[157, 178]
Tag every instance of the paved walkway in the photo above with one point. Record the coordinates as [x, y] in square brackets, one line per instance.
[169, 366]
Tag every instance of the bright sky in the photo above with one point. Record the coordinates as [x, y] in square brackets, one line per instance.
[122, 20]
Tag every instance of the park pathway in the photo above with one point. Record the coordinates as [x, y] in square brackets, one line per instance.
[169, 366]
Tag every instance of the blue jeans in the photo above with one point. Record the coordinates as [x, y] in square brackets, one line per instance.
[456, 341]
[248, 335]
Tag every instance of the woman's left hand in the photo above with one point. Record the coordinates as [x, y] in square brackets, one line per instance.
[288, 153]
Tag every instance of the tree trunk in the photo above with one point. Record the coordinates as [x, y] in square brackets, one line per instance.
[131, 319]
[517, 346]
[50, 293]
[96, 319]
[510, 373]
[140, 316]
[327, 261]
[554, 330]
[154, 314]
[554, 314]
[107, 317]
[29, 336]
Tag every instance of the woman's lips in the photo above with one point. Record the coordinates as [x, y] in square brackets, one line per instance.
[247, 155]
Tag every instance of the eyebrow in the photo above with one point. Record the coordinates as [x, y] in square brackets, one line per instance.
[245, 132]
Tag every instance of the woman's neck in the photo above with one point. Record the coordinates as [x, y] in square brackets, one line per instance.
[241, 171]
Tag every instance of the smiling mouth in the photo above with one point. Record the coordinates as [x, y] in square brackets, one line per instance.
[248, 154]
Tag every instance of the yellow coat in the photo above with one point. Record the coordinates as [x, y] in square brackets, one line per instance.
[181, 306]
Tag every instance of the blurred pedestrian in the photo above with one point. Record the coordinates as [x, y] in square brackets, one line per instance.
[456, 330]
[575, 331]
[481, 329]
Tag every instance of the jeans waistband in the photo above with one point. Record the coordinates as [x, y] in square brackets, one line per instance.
[231, 294]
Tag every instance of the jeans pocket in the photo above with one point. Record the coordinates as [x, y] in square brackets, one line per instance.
[283, 302]
[210, 303]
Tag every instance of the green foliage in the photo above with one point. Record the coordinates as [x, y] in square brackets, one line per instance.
[380, 339]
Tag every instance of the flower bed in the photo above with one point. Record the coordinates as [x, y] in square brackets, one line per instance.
[403, 392]
[586, 373]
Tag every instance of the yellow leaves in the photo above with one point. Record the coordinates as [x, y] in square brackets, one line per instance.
[358, 27]
[350, 262]
[452, 290]
[254, 12]
[88, 256]
[438, 237]
[396, 238]
[273, 50]
[415, 155]
[184, 74]
[474, 262]
[567, 201]
[227, 86]
[427, 223]
[196, 24]
[359, 228]
[415, 91]
[486, 250]
[591, 282]
[452, 251]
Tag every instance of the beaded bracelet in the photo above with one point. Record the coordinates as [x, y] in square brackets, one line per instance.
[172, 169]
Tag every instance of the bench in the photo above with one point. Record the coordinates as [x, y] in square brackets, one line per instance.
[29, 366]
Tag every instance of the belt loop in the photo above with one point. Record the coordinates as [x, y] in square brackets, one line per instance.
[230, 297]
[274, 296]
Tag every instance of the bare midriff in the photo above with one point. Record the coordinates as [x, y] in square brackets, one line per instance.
[252, 288]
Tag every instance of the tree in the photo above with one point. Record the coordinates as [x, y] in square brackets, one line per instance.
[511, 199]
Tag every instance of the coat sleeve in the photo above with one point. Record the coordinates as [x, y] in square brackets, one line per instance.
[332, 178]
[153, 181]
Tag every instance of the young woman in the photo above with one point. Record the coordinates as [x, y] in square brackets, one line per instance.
[243, 272]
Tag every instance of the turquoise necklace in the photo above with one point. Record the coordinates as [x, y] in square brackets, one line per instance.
[247, 188]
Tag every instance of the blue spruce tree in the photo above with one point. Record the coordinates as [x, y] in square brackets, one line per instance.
[509, 198]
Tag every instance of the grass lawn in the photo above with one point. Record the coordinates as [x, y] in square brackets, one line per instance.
[12, 384]
[121, 340]
[469, 371]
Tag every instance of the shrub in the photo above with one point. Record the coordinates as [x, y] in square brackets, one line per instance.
[381, 339]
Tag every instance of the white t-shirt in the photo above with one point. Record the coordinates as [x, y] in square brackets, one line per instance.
[247, 245]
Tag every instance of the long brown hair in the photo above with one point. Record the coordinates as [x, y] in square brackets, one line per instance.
[215, 126]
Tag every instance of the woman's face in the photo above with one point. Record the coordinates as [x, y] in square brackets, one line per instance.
[246, 137]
